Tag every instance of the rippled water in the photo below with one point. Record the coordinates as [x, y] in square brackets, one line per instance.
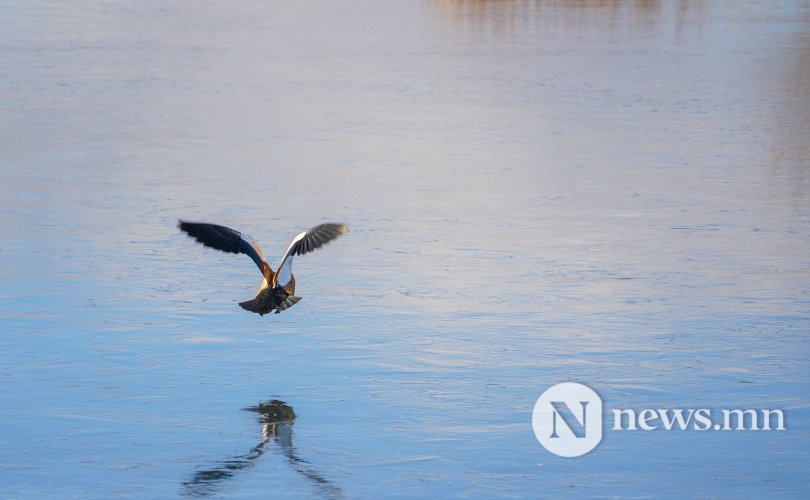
[610, 192]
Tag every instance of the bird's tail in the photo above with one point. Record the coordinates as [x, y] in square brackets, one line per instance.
[262, 307]
[254, 305]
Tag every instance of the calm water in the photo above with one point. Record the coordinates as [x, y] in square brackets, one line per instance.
[616, 193]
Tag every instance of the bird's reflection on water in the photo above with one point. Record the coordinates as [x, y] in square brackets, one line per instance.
[277, 420]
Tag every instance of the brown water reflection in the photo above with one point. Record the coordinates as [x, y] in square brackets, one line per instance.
[614, 18]
[790, 152]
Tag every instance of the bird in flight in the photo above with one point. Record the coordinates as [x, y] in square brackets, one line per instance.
[277, 291]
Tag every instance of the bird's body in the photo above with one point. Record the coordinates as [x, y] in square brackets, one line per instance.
[277, 291]
[269, 299]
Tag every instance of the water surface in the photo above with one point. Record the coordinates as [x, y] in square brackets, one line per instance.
[615, 193]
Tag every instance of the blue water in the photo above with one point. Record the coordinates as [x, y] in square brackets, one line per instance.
[615, 193]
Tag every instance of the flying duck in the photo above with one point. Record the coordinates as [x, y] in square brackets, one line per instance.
[277, 291]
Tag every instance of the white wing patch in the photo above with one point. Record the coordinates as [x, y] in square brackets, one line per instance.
[284, 273]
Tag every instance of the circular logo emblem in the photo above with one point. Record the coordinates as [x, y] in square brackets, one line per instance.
[567, 419]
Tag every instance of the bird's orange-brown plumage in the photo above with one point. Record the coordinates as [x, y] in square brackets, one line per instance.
[277, 290]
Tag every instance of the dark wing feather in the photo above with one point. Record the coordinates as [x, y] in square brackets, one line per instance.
[313, 238]
[225, 239]
[317, 237]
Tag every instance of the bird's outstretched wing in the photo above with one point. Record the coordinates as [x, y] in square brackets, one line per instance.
[228, 240]
[313, 238]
